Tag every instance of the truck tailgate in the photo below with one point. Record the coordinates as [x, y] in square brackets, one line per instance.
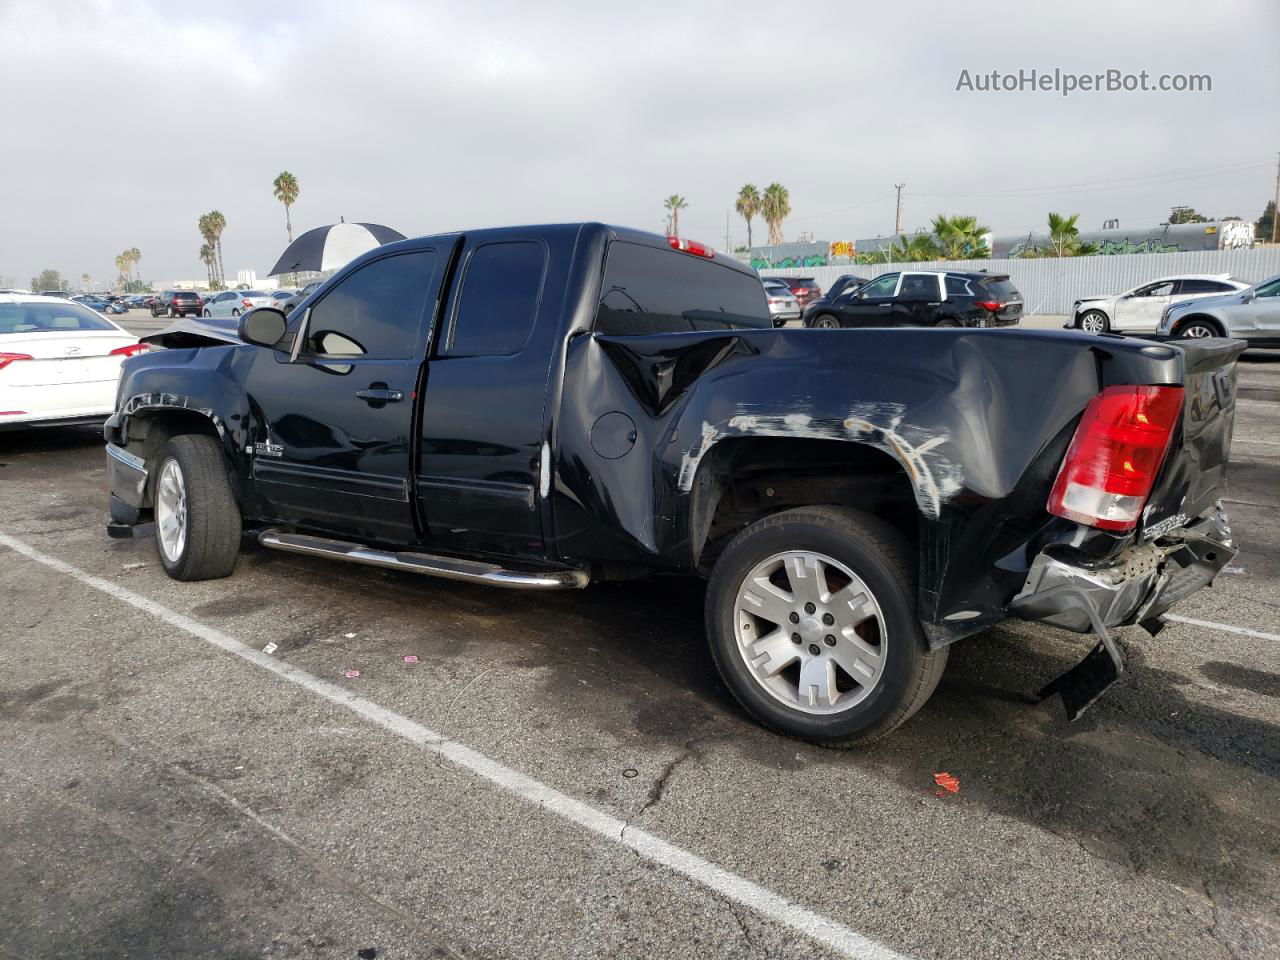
[1194, 474]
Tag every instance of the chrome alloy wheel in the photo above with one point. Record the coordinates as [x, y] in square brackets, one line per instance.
[1093, 322]
[1197, 331]
[826, 322]
[810, 632]
[171, 511]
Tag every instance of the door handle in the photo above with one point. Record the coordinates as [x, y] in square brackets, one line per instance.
[884, 306]
[380, 395]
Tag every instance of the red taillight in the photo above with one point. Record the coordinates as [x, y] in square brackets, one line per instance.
[8, 358]
[247, 302]
[132, 350]
[1115, 455]
[13, 413]
[995, 306]
[691, 246]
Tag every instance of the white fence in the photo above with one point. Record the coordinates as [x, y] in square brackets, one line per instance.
[1049, 285]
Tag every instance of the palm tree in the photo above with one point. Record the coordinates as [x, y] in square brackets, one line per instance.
[286, 191]
[84, 281]
[775, 205]
[913, 249]
[1064, 236]
[206, 257]
[748, 206]
[135, 258]
[674, 204]
[960, 237]
[211, 226]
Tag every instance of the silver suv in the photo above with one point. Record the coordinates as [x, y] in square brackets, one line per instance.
[1252, 314]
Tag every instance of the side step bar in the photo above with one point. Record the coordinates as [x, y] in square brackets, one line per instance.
[451, 568]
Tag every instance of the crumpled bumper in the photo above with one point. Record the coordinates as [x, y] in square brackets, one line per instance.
[1137, 587]
[127, 479]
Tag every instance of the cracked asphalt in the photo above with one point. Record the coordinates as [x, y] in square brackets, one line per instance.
[161, 797]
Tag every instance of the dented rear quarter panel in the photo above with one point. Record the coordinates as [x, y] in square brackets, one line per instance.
[978, 420]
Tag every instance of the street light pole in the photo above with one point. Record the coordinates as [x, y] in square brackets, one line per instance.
[897, 219]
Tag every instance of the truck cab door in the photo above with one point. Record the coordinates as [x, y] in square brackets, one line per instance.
[481, 452]
[872, 304]
[333, 416]
[1141, 309]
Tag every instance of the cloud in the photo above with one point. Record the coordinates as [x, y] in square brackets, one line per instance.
[127, 120]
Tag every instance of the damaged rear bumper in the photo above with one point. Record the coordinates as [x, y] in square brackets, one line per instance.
[1137, 587]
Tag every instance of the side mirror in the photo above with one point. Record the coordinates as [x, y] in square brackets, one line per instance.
[1248, 297]
[263, 327]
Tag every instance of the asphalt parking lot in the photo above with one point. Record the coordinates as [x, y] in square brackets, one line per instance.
[563, 775]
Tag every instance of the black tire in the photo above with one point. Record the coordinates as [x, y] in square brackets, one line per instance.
[949, 323]
[212, 540]
[235, 312]
[208, 314]
[886, 564]
[1197, 328]
[1094, 318]
[825, 321]
[169, 313]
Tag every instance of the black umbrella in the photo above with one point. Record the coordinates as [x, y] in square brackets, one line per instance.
[331, 247]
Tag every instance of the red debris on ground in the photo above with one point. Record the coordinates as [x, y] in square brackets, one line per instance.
[947, 782]
[351, 674]
[410, 658]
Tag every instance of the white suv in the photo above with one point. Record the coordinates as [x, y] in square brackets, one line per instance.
[1139, 310]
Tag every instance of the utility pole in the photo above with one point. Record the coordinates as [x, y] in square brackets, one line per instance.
[1275, 204]
[726, 233]
[897, 219]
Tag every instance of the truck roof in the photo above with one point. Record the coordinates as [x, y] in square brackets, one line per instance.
[613, 232]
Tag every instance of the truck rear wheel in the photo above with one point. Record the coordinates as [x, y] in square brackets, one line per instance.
[197, 518]
[811, 616]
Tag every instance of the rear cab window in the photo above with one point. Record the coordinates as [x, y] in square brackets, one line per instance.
[649, 290]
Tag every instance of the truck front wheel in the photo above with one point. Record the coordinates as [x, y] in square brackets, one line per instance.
[197, 518]
[811, 616]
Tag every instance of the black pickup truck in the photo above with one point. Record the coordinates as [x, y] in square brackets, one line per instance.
[544, 407]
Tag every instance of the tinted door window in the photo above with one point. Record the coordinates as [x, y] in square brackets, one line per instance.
[1205, 286]
[648, 290]
[499, 299]
[376, 311]
[1162, 289]
[919, 286]
[958, 287]
[881, 286]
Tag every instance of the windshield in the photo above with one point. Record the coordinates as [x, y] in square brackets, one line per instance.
[49, 317]
[253, 293]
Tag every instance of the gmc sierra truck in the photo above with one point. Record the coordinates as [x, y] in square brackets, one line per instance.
[544, 407]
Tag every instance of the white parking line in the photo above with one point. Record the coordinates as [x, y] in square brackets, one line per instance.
[1224, 627]
[764, 901]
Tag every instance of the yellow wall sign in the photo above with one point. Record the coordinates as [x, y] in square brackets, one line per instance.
[840, 248]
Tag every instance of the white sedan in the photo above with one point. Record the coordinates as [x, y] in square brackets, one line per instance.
[1140, 309]
[232, 303]
[59, 362]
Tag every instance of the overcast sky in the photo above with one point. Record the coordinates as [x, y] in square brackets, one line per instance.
[124, 120]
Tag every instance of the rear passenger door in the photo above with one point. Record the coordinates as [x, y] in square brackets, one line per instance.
[480, 452]
[919, 297]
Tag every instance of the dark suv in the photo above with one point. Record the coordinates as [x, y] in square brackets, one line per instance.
[177, 303]
[922, 299]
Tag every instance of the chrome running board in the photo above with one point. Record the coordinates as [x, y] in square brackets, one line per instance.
[451, 568]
